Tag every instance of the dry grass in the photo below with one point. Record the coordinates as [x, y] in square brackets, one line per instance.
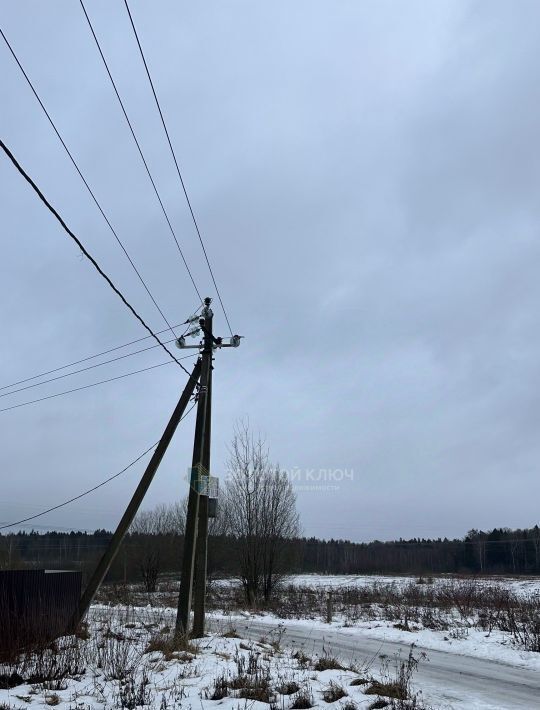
[303, 660]
[248, 687]
[422, 603]
[388, 690]
[328, 663]
[303, 700]
[333, 692]
[179, 647]
[221, 689]
[288, 688]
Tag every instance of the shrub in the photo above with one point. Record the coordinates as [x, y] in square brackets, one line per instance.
[389, 690]
[288, 688]
[134, 692]
[171, 646]
[303, 660]
[220, 689]
[399, 687]
[333, 692]
[303, 699]
[328, 663]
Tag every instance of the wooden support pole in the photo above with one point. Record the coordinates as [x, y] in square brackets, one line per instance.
[136, 500]
[329, 609]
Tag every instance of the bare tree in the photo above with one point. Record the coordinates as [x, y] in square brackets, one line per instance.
[260, 513]
[155, 528]
[161, 520]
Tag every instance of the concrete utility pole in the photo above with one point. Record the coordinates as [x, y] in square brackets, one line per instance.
[194, 560]
[136, 500]
[201, 553]
[197, 471]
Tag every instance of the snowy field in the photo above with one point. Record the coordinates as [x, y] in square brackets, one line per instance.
[518, 585]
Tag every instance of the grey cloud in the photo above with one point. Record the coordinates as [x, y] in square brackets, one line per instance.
[365, 176]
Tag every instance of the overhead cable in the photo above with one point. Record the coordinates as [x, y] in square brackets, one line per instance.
[93, 357]
[82, 369]
[177, 165]
[85, 252]
[91, 192]
[171, 229]
[93, 384]
[90, 490]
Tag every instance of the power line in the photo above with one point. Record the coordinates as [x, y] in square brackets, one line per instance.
[81, 495]
[94, 198]
[85, 252]
[44, 544]
[84, 359]
[83, 369]
[32, 554]
[92, 357]
[93, 384]
[140, 150]
[90, 490]
[176, 163]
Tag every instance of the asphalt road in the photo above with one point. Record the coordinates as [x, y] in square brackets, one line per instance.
[447, 680]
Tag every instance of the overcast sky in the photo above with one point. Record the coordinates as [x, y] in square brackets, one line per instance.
[365, 175]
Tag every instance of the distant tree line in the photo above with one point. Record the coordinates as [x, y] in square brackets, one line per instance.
[499, 551]
[150, 551]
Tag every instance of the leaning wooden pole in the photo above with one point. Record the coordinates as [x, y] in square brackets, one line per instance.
[137, 498]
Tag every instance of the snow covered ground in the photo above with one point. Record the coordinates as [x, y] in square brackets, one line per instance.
[518, 585]
[447, 680]
[495, 646]
[461, 646]
[459, 632]
[127, 660]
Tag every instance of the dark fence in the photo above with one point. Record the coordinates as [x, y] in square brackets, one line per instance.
[36, 606]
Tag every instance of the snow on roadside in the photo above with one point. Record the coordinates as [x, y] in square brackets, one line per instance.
[494, 646]
[457, 634]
